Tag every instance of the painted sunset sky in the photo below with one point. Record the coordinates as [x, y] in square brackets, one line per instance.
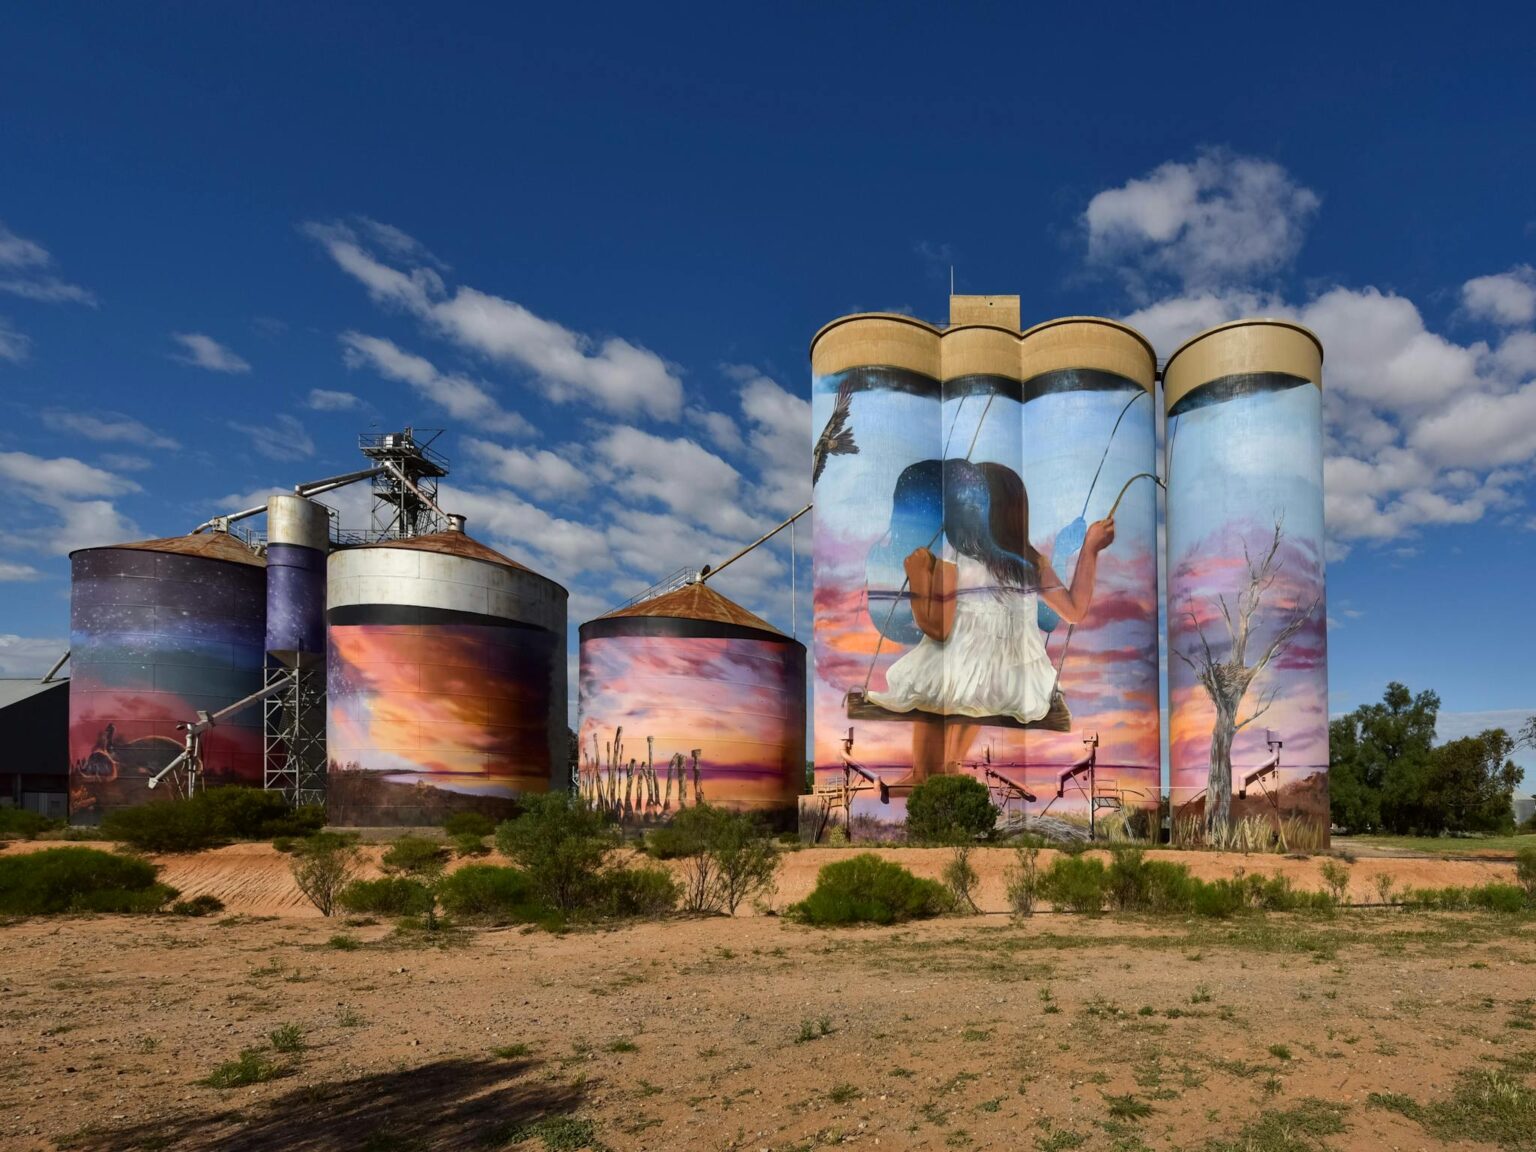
[734, 698]
[1110, 676]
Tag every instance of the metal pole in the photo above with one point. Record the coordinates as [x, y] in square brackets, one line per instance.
[59, 663]
[763, 539]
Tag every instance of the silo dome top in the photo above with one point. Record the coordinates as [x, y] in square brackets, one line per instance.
[696, 601]
[451, 544]
[208, 545]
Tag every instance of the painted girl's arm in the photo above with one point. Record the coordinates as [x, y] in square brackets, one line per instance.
[1072, 604]
[932, 582]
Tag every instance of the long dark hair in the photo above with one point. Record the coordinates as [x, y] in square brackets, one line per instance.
[986, 517]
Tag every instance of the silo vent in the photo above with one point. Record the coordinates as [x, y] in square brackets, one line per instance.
[455, 522]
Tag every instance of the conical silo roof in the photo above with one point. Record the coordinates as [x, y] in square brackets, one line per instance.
[696, 601]
[208, 545]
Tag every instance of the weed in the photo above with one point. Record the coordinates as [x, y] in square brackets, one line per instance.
[1201, 995]
[843, 1093]
[1127, 1107]
[1023, 879]
[1279, 1051]
[1336, 877]
[1298, 1129]
[344, 943]
[287, 1038]
[622, 1045]
[251, 1067]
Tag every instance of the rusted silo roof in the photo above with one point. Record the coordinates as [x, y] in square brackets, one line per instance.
[208, 545]
[452, 544]
[697, 601]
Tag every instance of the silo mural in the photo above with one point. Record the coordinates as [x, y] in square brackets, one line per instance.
[1000, 624]
[298, 538]
[1247, 640]
[158, 631]
[445, 681]
[690, 699]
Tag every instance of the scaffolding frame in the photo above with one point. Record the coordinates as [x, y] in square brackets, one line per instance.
[293, 731]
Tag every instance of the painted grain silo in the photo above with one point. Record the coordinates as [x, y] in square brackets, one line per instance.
[1090, 451]
[688, 698]
[446, 681]
[1247, 639]
[298, 540]
[160, 630]
[876, 474]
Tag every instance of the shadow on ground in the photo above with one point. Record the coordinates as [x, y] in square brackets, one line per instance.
[449, 1104]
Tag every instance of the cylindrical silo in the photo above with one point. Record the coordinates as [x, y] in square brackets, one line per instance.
[298, 539]
[1090, 447]
[877, 475]
[159, 631]
[1247, 639]
[446, 681]
[690, 699]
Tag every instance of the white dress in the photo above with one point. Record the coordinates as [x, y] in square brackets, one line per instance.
[993, 664]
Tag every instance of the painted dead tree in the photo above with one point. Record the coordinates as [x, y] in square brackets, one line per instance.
[1227, 676]
[642, 798]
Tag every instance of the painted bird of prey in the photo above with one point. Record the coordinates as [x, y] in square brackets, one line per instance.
[836, 438]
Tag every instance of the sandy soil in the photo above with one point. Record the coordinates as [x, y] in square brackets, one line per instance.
[750, 1033]
[255, 879]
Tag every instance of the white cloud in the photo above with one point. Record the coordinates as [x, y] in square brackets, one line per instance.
[327, 400]
[11, 572]
[719, 427]
[107, 427]
[126, 462]
[779, 439]
[555, 546]
[285, 438]
[1221, 219]
[676, 473]
[18, 252]
[66, 503]
[460, 397]
[538, 471]
[14, 345]
[202, 351]
[63, 476]
[568, 366]
[25, 271]
[26, 656]
[1508, 298]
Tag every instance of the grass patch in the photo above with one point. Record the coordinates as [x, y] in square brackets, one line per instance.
[287, 1038]
[344, 943]
[1298, 1129]
[1488, 1104]
[252, 1066]
[813, 1030]
[511, 1051]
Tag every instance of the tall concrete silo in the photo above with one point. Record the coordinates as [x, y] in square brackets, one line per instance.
[1090, 447]
[1247, 637]
[298, 541]
[446, 678]
[688, 698]
[160, 630]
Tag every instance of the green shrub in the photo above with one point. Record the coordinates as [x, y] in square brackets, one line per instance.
[1525, 872]
[287, 1038]
[562, 844]
[212, 817]
[205, 905]
[728, 856]
[253, 1067]
[470, 844]
[947, 809]
[638, 892]
[20, 824]
[387, 896]
[79, 880]
[867, 889]
[1023, 879]
[411, 855]
[1485, 897]
[489, 892]
[469, 823]
[961, 879]
[323, 865]
[1076, 883]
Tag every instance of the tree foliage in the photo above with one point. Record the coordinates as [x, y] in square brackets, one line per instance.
[561, 843]
[949, 810]
[1387, 774]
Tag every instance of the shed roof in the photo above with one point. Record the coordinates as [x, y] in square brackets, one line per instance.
[14, 691]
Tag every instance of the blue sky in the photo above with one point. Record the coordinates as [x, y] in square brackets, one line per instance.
[593, 243]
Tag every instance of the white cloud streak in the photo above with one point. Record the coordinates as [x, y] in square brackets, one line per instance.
[106, 427]
[202, 351]
[460, 397]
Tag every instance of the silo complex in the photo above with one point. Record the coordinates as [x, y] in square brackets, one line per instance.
[970, 618]
[1247, 640]
[446, 681]
[690, 699]
[160, 630]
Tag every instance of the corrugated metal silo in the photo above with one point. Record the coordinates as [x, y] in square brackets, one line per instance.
[446, 680]
[298, 540]
[1247, 636]
[689, 698]
[158, 631]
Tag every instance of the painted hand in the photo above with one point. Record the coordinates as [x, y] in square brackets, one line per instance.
[918, 564]
[1101, 534]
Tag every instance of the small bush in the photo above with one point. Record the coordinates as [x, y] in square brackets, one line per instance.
[287, 1038]
[1023, 879]
[323, 865]
[469, 823]
[867, 889]
[1076, 883]
[949, 809]
[205, 905]
[489, 892]
[79, 880]
[1525, 872]
[210, 818]
[1336, 877]
[961, 879]
[20, 824]
[411, 855]
[252, 1067]
[728, 856]
[561, 844]
[638, 892]
[1495, 897]
[387, 896]
[469, 844]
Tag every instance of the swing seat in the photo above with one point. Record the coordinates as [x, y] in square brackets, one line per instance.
[1057, 719]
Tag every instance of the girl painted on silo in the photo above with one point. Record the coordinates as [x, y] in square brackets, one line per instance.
[981, 659]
